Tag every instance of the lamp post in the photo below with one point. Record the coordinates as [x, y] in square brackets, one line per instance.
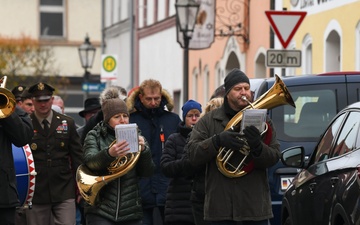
[186, 13]
[87, 54]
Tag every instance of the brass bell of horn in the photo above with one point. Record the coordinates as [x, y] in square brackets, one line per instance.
[90, 184]
[7, 100]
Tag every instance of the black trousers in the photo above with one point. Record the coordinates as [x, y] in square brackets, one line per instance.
[198, 212]
[92, 219]
[7, 216]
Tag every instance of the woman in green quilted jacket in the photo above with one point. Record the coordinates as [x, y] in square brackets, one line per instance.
[119, 201]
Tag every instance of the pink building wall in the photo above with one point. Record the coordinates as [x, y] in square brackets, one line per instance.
[259, 41]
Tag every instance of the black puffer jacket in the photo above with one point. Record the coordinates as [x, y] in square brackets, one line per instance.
[120, 199]
[178, 205]
[17, 129]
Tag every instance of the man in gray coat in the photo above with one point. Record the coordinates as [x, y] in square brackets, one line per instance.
[230, 199]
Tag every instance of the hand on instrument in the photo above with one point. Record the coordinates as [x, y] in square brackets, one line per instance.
[119, 149]
[230, 140]
[253, 137]
[142, 142]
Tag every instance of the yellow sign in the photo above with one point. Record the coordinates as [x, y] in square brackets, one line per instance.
[109, 63]
[109, 67]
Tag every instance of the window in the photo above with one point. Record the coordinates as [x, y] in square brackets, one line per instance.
[346, 141]
[52, 18]
[324, 147]
[315, 108]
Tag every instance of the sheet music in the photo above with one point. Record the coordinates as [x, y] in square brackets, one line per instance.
[129, 133]
[256, 117]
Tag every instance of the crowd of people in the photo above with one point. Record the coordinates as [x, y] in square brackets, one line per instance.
[174, 178]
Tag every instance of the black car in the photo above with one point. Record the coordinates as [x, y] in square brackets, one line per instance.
[318, 98]
[327, 189]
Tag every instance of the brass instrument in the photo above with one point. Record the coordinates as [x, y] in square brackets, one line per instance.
[90, 184]
[7, 100]
[227, 159]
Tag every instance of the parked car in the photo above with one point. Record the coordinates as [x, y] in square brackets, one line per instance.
[318, 98]
[327, 190]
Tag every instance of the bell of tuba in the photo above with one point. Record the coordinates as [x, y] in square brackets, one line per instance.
[234, 162]
[7, 100]
[90, 184]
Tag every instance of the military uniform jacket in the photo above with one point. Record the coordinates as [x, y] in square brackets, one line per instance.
[57, 155]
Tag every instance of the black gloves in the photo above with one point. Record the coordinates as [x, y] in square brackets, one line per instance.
[253, 138]
[229, 139]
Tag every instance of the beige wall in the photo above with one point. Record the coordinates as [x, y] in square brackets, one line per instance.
[21, 17]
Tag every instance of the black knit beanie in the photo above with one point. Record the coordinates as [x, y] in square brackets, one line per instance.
[234, 77]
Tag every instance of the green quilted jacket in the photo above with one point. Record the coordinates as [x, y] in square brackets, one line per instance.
[120, 199]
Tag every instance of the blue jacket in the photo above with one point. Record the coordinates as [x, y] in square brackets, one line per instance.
[152, 123]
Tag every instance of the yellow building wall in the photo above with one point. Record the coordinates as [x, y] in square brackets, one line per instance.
[316, 25]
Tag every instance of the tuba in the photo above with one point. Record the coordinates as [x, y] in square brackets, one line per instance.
[7, 100]
[235, 163]
[90, 184]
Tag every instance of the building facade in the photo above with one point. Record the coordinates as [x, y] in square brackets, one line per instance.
[61, 25]
[329, 36]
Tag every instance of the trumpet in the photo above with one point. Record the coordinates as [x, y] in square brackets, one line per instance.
[7, 100]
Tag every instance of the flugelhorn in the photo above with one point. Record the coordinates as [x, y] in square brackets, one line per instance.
[233, 162]
[90, 184]
[7, 100]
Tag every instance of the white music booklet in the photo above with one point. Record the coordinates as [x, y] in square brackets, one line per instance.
[129, 133]
[256, 117]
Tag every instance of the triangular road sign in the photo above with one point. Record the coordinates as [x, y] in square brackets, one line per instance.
[285, 24]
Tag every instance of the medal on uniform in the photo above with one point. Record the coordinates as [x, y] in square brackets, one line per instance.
[33, 146]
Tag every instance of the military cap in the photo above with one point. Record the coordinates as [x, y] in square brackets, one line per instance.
[25, 94]
[17, 92]
[41, 91]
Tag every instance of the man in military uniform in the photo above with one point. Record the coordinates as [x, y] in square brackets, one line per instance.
[57, 153]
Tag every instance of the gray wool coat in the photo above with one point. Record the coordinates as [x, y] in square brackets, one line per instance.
[238, 199]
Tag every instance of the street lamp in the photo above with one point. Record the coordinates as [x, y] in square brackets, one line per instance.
[186, 13]
[87, 54]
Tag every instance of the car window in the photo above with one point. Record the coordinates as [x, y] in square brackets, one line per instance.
[315, 108]
[324, 146]
[347, 138]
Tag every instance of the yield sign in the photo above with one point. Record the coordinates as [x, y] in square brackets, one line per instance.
[285, 24]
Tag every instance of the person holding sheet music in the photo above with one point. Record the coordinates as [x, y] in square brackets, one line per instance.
[119, 200]
[244, 199]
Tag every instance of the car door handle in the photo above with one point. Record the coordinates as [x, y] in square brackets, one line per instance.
[334, 180]
[312, 187]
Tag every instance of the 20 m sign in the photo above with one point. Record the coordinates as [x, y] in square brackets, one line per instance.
[283, 58]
